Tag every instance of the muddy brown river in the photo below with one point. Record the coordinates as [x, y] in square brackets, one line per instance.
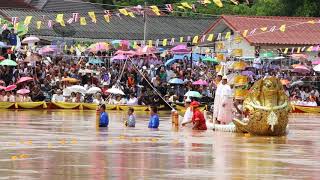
[63, 145]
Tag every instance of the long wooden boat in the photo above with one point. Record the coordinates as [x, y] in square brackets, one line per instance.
[305, 109]
[67, 105]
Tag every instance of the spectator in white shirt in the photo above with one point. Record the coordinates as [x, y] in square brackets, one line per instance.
[58, 97]
[132, 100]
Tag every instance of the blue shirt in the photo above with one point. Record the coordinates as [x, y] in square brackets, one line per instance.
[154, 121]
[131, 121]
[104, 119]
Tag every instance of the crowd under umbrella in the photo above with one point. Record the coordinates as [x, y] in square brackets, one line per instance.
[195, 94]
[10, 87]
[180, 49]
[100, 46]
[95, 61]
[119, 57]
[176, 81]
[93, 90]
[301, 69]
[200, 82]
[299, 56]
[115, 91]
[77, 89]
[24, 79]
[23, 91]
[210, 59]
[8, 62]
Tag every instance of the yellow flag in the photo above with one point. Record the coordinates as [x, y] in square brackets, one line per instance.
[72, 49]
[65, 47]
[238, 39]
[235, 2]
[124, 12]
[83, 21]
[164, 42]
[60, 20]
[92, 15]
[15, 27]
[206, 2]
[228, 35]
[181, 7]
[27, 20]
[135, 44]
[264, 29]
[218, 3]
[107, 18]
[195, 39]
[210, 37]
[156, 10]
[39, 24]
[187, 5]
[282, 28]
[131, 14]
[150, 43]
[181, 39]
[310, 49]
[299, 50]
[285, 51]
[245, 32]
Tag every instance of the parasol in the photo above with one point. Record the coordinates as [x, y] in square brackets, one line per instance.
[10, 87]
[24, 79]
[30, 39]
[93, 90]
[23, 91]
[32, 58]
[176, 81]
[200, 82]
[119, 57]
[77, 88]
[193, 94]
[316, 62]
[210, 59]
[180, 49]
[114, 90]
[8, 62]
[301, 69]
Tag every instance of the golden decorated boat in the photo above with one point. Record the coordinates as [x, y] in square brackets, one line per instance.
[305, 109]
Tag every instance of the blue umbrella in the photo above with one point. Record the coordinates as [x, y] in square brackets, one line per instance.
[95, 61]
[176, 81]
[170, 61]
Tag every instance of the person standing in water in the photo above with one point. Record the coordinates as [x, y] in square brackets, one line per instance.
[131, 122]
[154, 118]
[104, 119]
[198, 120]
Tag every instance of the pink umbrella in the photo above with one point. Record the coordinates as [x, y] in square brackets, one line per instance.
[24, 79]
[316, 62]
[100, 46]
[128, 53]
[299, 56]
[2, 87]
[30, 39]
[119, 57]
[10, 87]
[145, 50]
[301, 69]
[200, 82]
[180, 49]
[23, 91]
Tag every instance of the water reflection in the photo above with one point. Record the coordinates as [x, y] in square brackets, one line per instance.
[66, 145]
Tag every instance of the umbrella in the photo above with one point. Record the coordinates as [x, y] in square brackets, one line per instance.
[301, 69]
[176, 81]
[23, 91]
[317, 68]
[145, 50]
[170, 61]
[267, 54]
[32, 58]
[66, 92]
[95, 61]
[2, 82]
[316, 62]
[100, 46]
[2, 58]
[93, 90]
[127, 53]
[180, 49]
[8, 62]
[114, 90]
[71, 80]
[247, 73]
[30, 39]
[298, 83]
[210, 59]
[10, 87]
[119, 57]
[200, 82]
[24, 79]
[299, 56]
[193, 94]
[48, 49]
[2, 87]
[77, 88]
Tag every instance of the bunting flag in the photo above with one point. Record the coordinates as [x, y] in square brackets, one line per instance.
[218, 3]
[195, 40]
[303, 49]
[203, 38]
[172, 42]
[157, 42]
[70, 21]
[310, 49]
[273, 28]
[13, 20]
[164, 42]
[187, 5]
[228, 35]
[107, 18]
[83, 21]
[156, 10]
[135, 44]
[210, 37]
[206, 2]
[39, 23]
[150, 43]
[71, 49]
[189, 38]
[299, 50]
[169, 7]
[15, 26]
[285, 51]
[181, 40]
[219, 37]
[131, 14]
[181, 7]
[92, 15]
[238, 39]
[253, 31]
[245, 32]
[27, 21]
[119, 16]
[124, 12]
[235, 2]
[264, 29]
[50, 24]
[282, 28]
[60, 20]
[292, 50]
[75, 17]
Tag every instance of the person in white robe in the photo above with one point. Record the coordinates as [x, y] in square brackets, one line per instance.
[187, 118]
[217, 97]
[225, 102]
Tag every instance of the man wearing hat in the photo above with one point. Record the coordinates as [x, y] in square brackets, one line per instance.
[198, 120]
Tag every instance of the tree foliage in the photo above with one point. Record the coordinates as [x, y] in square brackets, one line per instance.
[257, 7]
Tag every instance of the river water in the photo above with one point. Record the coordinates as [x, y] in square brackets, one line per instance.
[66, 145]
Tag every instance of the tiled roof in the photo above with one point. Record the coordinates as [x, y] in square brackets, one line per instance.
[69, 6]
[13, 4]
[158, 27]
[298, 30]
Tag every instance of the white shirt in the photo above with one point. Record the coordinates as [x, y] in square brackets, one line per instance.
[187, 115]
[98, 101]
[133, 101]
[57, 98]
